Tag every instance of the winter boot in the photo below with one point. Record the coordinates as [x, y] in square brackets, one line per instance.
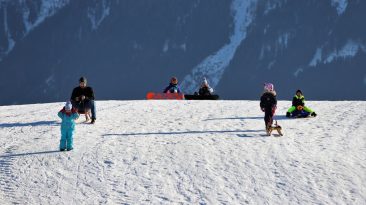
[269, 129]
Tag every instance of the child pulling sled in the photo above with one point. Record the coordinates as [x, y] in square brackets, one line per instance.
[268, 105]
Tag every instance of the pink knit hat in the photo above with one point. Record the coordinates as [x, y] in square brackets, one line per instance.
[268, 87]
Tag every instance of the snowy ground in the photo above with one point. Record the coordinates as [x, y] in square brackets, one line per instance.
[184, 152]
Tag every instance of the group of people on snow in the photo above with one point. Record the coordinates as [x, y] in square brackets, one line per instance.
[83, 101]
[173, 87]
[268, 104]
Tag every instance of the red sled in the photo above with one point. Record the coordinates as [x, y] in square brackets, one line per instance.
[164, 96]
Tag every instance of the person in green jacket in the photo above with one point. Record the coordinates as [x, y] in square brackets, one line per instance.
[298, 108]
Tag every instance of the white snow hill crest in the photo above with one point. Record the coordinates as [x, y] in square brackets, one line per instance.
[184, 152]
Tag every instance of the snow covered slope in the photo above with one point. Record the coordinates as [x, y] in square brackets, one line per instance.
[184, 152]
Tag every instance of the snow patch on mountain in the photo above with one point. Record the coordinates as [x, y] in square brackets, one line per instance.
[265, 49]
[272, 5]
[32, 14]
[46, 9]
[50, 80]
[183, 47]
[349, 50]
[97, 14]
[181, 20]
[167, 45]
[279, 45]
[283, 39]
[214, 65]
[317, 58]
[340, 5]
[11, 42]
[271, 64]
[298, 71]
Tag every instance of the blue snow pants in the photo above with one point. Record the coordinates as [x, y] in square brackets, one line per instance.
[66, 141]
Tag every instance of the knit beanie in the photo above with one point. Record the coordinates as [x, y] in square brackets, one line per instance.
[68, 105]
[82, 80]
[268, 87]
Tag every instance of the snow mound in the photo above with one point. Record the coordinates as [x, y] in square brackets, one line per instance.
[189, 152]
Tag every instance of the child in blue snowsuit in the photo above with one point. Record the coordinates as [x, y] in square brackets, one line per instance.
[68, 116]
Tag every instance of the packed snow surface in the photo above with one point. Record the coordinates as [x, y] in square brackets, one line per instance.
[184, 152]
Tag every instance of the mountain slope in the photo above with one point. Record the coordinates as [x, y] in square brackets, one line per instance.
[136, 46]
[184, 152]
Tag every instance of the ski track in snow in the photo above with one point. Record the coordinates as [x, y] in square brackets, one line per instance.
[184, 152]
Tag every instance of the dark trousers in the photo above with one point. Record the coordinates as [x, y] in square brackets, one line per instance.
[85, 105]
[268, 116]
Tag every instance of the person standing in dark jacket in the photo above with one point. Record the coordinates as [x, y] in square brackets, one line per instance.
[268, 104]
[82, 97]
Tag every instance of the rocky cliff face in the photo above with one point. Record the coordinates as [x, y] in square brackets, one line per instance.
[127, 48]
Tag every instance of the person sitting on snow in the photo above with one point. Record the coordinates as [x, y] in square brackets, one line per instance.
[173, 86]
[268, 104]
[82, 98]
[205, 88]
[298, 107]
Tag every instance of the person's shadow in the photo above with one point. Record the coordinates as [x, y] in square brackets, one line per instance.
[252, 136]
[283, 117]
[11, 155]
[19, 124]
[183, 132]
[235, 118]
[276, 117]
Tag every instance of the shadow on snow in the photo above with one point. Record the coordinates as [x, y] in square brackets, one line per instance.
[28, 154]
[235, 118]
[19, 124]
[183, 132]
[276, 117]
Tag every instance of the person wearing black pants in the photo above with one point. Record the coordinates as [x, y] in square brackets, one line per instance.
[268, 104]
[82, 97]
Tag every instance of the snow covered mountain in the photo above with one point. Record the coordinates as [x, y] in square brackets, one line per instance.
[184, 152]
[127, 48]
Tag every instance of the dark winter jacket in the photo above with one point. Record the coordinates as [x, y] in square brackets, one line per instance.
[268, 100]
[172, 88]
[205, 91]
[78, 91]
[296, 101]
